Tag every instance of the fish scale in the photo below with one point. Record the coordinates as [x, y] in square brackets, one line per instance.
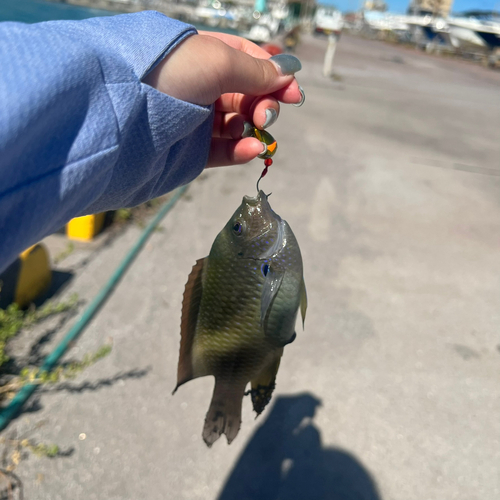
[239, 311]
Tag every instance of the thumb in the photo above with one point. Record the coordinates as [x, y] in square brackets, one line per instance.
[202, 68]
[249, 75]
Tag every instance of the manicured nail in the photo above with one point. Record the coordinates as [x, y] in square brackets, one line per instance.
[286, 63]
[247, 130]
[271, 117]
[302, 99]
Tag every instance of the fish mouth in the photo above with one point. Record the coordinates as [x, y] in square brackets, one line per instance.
[260, 203]
[261, 199]
[255, 200]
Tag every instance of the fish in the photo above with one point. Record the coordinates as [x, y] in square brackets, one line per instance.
[239, 311]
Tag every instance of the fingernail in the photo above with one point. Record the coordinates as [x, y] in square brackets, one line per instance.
[271, 117]
[302, 99]
[264, 145]
[286, 63]
[247, 129]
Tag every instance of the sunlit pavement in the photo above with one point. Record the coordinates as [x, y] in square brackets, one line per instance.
[389, 176]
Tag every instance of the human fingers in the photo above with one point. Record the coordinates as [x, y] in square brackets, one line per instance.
[235, 103]
[265, 112]
[262, 111]
[244, 104]
[203, 68]
[239, 43]
[228, 125]
[225, 152]
[244, 74]
[293, 94]
[290, 93]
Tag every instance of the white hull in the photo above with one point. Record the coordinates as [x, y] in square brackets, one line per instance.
[463, 37]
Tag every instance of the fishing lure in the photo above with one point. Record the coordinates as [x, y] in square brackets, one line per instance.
[265, 137]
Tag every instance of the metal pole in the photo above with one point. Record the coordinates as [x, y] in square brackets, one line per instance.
[329, 54]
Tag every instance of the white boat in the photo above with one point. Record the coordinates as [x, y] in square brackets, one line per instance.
[474, 31]
[429, 31]
[328, 20]
[385, 21]
[471, 32]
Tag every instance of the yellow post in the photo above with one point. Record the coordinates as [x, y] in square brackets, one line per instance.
[85, 228]
[34, 275]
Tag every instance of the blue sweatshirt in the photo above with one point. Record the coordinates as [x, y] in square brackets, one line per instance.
[79, 132]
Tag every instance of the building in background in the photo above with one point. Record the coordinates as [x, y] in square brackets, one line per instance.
[437, 8]
[375, 5]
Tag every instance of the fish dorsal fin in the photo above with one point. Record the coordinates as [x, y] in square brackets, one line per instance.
[271, 286]
[190, 308]
[303, 302]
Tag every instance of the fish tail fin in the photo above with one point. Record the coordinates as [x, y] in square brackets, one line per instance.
[224, 414]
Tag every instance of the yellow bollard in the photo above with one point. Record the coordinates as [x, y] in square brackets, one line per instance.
[85, 228]
[26, 278]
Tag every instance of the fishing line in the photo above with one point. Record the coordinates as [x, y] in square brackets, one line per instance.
[267, 162]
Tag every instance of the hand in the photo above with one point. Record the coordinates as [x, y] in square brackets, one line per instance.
[238, 77]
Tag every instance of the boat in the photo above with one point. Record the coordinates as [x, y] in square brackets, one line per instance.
[477, 29]
[328, 20]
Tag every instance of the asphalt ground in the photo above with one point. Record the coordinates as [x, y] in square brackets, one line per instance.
[389, 176]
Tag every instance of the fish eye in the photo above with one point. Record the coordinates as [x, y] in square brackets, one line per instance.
[237, 228]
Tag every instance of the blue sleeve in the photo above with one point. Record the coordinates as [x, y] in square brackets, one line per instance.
[79, 132]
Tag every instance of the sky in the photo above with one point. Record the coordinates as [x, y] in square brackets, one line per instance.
[402, 5]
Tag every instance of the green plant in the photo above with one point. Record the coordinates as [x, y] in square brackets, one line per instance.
[154, 203]
[12, 319]
[37, 376]
[70, 370]
[70, 247]
[41, 449]
[123, 214]
[12, 452]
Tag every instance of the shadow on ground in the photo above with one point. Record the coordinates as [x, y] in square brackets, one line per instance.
[286, 460]
[59, 282]
[34, 404]
[36, 354]
[102, 383]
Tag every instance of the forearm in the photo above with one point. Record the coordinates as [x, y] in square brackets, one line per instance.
[79, 132]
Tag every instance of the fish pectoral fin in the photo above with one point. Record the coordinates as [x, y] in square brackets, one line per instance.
[263, 385]
[190, 309]
[271, 286]
[303, 302]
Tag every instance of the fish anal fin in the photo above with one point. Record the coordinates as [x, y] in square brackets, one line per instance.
[190, 309]
[303, 302]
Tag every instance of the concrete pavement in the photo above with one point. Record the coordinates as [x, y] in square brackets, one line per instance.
[389, 176]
